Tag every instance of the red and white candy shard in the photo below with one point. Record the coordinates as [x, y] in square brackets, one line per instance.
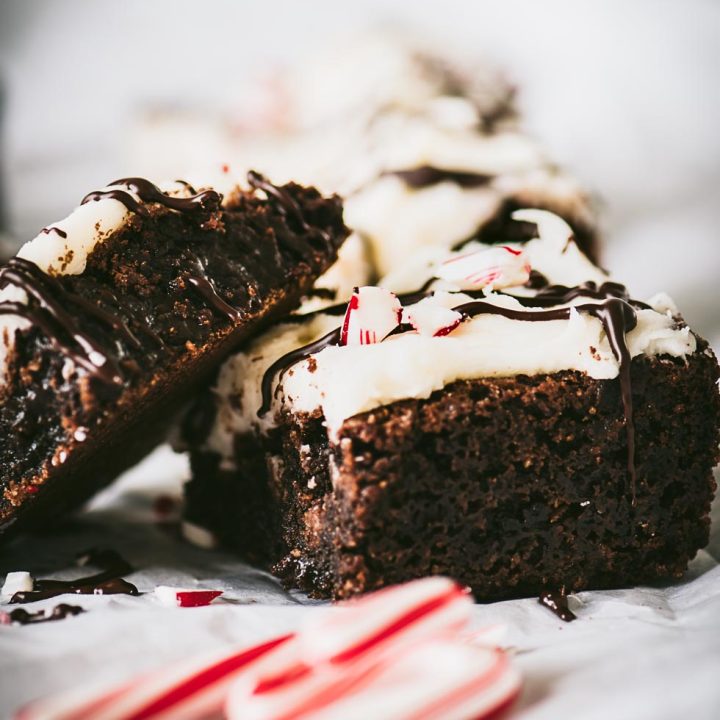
[185, 597]
[495, 267]
[371, 314]
[431, 319]
[436, 680]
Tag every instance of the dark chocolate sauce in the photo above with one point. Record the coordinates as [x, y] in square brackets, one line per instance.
[187, 186]
[206, 201]
[133, 205]
[106, 582]
[55, 230]
[282, 364]
[48, 312]
[427, 175]
[322, 293]
[285, 201]
[207, 290]
[536, 280]
[290, 209]
[502, 228]
[20, 616]
[556, 602]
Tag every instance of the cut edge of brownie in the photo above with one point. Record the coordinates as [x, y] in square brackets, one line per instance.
[188, 287]
[407, 489]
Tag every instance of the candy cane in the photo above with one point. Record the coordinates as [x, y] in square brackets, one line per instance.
[499, 266]
[436, 680]
[190, 689]
[348, 651]
[371, 314]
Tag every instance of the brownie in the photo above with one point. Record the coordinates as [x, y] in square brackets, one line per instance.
[495, 426]
[112, 352]
[409, 489]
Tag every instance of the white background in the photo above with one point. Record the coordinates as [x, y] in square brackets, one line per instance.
[626, 94]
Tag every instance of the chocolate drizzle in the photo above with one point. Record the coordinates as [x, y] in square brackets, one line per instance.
[610, 304]
[56, 230]
[427, 175]
[290, 208]
[556, 602]
[48, 311]
[106, 582]
[282, 364]
[20, 616]
[537, 280]
[147, 192]
[502, 228]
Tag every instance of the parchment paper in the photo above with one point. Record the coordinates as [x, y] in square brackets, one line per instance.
[637, 653]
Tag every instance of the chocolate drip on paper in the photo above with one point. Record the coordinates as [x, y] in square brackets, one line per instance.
[427, 175]
[20, 616]
[556, 602]
[106, 582]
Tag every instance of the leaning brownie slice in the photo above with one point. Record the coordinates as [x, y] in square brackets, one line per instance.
[519, 422]
[114, 316]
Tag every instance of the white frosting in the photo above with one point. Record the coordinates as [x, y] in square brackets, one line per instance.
[86, 226]
[345, 381]
[363, 75]
[399, 220]
[351, 269]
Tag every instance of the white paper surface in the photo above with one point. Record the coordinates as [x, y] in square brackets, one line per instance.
[640, 653]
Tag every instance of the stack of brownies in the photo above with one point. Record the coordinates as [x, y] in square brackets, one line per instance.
[458, 389]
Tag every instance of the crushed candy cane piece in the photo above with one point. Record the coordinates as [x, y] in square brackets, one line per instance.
[495, 267]
[185, 597]
[432, 319]
[19, 581]
[371, 314]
